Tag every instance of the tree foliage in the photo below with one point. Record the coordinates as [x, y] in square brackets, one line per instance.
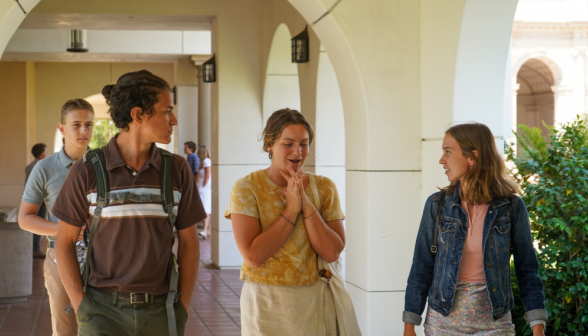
[554, 178]
[104, 130]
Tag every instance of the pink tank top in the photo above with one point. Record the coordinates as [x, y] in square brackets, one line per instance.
[472, 260]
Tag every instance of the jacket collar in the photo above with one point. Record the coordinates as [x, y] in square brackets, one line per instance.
[455, 199]
[114, 159]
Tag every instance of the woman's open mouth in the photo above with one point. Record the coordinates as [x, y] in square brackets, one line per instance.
[295, 162]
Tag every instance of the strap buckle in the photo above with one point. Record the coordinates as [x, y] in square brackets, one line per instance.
[132, 296]
[433, 248]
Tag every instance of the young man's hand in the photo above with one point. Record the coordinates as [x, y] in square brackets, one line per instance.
[188, 260]
[67, 259]
[75, 302]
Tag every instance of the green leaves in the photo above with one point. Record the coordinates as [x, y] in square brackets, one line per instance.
[104, 130]
[554, 178]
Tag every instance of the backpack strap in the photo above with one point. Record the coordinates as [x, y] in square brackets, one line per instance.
[102, 185]
[168, 202]
[437, 217]
[167, 188]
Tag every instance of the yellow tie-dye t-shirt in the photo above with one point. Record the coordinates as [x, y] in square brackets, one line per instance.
[295, 263]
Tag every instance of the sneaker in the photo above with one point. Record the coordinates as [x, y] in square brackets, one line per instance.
[38, 254]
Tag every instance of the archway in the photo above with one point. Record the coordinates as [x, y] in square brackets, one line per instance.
[535, 98]
[281, 83]
[329, 143]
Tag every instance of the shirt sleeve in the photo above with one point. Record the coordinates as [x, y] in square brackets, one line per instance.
[72, 205]
[190, 209]
[196, 164]
[192, 164]
[207, 163]
[35, 191]
[243, 200]
[330, 204]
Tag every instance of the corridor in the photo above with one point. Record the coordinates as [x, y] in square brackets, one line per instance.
[214, 310]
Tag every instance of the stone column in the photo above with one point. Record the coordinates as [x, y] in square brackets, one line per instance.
[204, 115]
[204, 104]
[186, 84]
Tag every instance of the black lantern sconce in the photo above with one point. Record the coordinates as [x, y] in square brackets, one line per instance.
[209, 70]
[300, 47]
[77, 40]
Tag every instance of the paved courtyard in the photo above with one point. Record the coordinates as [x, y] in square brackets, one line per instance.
[214, 309]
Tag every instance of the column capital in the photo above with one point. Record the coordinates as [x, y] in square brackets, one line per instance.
[197, 60]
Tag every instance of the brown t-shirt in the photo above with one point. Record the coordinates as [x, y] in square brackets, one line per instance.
[133, 241]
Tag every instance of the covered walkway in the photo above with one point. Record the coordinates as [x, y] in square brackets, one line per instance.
[214, 310]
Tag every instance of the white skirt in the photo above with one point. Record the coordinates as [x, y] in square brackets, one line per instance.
[287, 310]
[205, 197]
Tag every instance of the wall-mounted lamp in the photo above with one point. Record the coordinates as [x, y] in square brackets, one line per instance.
[300, 47]
[209, 70]
[77, 41]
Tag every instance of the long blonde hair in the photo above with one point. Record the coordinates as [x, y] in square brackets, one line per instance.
[203, 153]
[487, 178]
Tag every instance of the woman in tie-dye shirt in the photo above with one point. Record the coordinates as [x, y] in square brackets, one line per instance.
[279, 233]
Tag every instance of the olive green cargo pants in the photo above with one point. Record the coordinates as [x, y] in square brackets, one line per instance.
[100, 315]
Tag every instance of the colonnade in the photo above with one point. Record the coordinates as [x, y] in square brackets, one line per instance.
[405, 72]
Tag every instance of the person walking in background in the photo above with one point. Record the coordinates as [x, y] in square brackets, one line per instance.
[43, 186]
[280, 234]
[203, 181]
[39, 152]
[468, 232]
[193, 160]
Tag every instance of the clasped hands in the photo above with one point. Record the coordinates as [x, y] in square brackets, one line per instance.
[296, 198]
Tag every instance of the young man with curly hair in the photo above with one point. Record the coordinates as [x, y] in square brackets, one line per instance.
[130, 268]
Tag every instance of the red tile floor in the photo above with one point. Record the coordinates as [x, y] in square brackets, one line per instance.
[214, 309]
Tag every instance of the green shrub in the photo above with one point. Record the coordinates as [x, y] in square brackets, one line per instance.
[554, 178]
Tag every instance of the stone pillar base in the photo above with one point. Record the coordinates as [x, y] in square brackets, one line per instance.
[16, 263]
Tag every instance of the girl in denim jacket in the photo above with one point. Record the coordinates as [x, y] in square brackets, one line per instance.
[465, 273]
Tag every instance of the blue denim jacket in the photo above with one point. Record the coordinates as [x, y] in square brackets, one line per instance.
[435, 276]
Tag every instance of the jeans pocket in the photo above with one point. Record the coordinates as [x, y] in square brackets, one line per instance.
[81, 315]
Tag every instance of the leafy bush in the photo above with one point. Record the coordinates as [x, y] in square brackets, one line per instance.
[554, 178]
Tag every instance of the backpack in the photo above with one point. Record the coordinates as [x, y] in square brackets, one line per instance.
[438, 216]
[105, 197]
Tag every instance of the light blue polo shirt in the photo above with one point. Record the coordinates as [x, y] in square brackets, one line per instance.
[46, 180]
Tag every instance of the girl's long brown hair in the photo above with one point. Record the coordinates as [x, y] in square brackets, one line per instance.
[487, 178]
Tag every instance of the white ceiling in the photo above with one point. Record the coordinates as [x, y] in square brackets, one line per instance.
[116, 22]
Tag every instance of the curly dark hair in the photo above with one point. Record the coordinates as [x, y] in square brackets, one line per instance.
[133, 89]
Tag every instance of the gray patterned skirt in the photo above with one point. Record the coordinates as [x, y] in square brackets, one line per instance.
[471, 315]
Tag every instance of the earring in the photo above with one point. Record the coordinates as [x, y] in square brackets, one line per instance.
[270, 155]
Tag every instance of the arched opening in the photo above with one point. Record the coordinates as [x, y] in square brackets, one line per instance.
[535, 98]
[281, 83]
[329, 143]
